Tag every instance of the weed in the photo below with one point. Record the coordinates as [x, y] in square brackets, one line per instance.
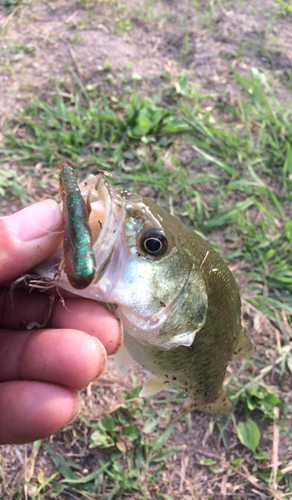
[9, 4]
[235, 187]
[247, 184]
[120, 433]
[249, 434]
[283, 8]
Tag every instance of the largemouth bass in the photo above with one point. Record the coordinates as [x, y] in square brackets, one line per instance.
[177, 300]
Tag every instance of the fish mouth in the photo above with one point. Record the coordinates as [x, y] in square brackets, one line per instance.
[106, 219]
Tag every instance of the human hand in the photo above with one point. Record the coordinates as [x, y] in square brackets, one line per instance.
[42, 370]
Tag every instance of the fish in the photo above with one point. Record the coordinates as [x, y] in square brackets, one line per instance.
[176, 299]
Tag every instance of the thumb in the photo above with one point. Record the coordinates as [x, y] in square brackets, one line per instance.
[28, 237]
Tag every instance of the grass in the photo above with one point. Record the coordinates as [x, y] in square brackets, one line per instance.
[133, 431]
[236, 190]
[283, 8]
[9, 4]
[245, 190]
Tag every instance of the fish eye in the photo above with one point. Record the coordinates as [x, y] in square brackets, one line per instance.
[154, 243]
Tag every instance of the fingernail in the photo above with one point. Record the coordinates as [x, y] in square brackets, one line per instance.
[121, 337]
[77, 408]
[103, 362]
[35, 221]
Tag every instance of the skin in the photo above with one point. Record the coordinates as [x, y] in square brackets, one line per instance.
[41, 371]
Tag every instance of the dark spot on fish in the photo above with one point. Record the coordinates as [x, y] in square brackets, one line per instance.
[166, 375]
[162, 303]
[201, 313]
[174, 378]
[114, 231]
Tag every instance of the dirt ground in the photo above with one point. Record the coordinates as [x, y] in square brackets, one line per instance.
[41, 44]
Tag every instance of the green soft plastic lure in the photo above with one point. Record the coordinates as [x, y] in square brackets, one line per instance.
[78, 253]
[177, 300]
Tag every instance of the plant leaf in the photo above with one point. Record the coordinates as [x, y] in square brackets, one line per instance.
[249, 434]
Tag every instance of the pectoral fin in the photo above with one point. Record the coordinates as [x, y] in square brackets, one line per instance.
[122, 360]
[243, 348]
[152, 385]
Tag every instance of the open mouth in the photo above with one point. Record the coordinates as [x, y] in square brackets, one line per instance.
[106, 219]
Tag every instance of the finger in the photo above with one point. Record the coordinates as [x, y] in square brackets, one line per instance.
[67, 357]
[81, 314]
[34, 410]
[20, 306]
[28, 237]
[91, 317]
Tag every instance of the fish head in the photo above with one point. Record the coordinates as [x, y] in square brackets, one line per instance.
[142, 267]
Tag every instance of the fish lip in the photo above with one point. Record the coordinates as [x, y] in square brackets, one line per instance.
[98, 187]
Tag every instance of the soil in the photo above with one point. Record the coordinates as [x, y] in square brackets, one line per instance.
[41, 44]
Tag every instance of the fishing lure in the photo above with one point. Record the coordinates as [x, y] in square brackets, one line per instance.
[78, 253]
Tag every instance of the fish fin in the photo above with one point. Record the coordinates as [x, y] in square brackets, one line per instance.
[122, 360]
[243, 348]
[220, 406]
[152, 385]
[188, 406]
[185, 339]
